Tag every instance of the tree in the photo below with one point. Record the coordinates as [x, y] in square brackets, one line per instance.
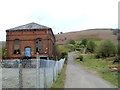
[61, 32]
[3, 52]
[61, 52]
[72, 42]
[106, 48]
[84, 42]
[64, 54]
[91, 46]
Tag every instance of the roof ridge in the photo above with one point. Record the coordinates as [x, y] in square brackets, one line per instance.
[29, 26]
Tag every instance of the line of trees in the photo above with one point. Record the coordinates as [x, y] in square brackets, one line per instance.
[105, 48]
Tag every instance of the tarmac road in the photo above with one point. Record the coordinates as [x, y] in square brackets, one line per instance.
[78, 77]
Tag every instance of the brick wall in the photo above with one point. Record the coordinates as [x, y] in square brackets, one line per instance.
[27, 39]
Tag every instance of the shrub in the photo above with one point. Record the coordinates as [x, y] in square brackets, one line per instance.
[72, 42]
[105, 49]
[80, 57]
[58, 50]
[78, 49]
[84, 42]
[70, 47]
[3, 52]
[97, 55]
[91, 46]
[63, 54]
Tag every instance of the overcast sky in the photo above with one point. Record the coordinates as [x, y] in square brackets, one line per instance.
[60, 15]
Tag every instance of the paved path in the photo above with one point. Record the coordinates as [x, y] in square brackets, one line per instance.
[78, 77]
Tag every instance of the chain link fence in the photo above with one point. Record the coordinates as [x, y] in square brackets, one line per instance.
[0, 76]
[30, 74]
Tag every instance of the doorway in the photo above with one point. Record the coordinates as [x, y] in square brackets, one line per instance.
[28, 51]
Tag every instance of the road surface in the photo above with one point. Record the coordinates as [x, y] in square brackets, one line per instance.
[78, 77]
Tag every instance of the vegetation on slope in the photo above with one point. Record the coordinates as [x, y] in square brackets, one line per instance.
[100, 56]
[101, 66]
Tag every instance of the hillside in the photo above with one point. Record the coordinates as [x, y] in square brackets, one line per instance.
[91, 33]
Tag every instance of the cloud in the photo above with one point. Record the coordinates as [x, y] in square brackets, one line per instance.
[61, 15]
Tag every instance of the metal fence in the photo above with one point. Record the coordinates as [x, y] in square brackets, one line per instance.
[33, 74]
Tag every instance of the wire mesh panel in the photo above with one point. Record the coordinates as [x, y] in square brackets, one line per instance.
[29, 78]
[0, 78]
[41, 78]
[49, 77]
[10, 63]
[30, 74]
[10, 78]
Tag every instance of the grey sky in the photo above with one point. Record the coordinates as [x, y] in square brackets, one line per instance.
[60, 15]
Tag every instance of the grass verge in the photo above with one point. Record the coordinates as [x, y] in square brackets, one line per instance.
[59, 83]
[101, 67]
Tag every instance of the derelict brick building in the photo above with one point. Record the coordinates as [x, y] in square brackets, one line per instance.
[30, 39]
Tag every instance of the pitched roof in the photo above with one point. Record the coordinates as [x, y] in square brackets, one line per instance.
[29, 26]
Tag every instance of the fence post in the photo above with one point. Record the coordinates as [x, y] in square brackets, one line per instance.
[38, 72]
[53, 72]
[45, 82]
[20, 75]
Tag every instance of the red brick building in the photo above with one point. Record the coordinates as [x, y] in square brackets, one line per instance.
[29, 40]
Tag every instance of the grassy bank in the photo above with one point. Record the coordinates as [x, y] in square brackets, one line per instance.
[100, 66]
[59, 83]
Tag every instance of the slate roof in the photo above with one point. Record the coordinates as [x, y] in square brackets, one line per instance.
[30, 26]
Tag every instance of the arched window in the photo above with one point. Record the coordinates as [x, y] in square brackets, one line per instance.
[16, 49]
[38, 46]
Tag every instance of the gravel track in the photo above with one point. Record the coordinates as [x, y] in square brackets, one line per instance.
[78, 77]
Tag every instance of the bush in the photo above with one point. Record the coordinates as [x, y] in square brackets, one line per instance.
[84, 42]
[70, 47]
[63, 54]
[97, 55]
[58, 50]
[72, 42]
[78, 49]
[3, 52]
[106, 49]
[91, 46]
[80, 57]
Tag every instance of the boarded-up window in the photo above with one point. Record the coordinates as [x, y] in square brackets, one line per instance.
[16, 47]
[38, 46]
